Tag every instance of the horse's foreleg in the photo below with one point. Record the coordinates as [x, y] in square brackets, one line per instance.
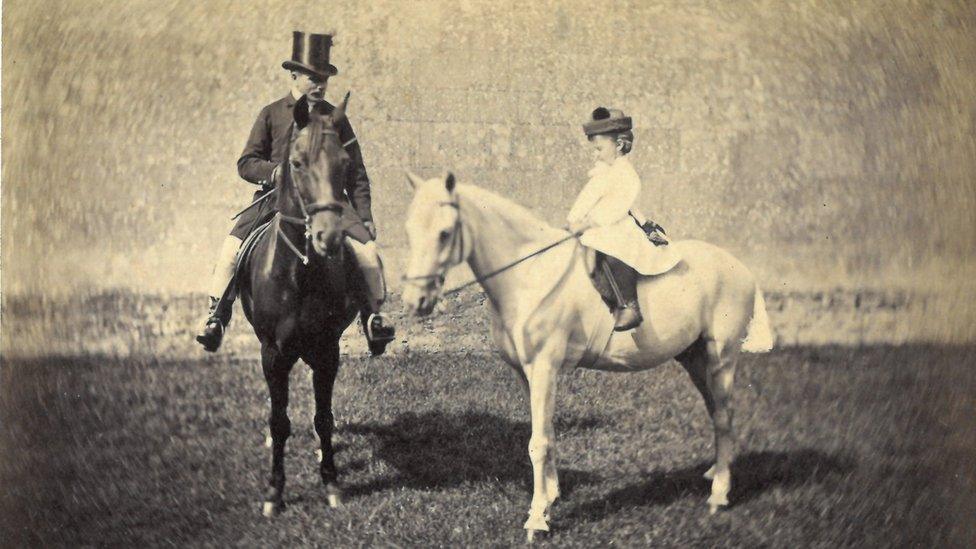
[276, 369]
[324, 371]
[721, 372]
[542, 378]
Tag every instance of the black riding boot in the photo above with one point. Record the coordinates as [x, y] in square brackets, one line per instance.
[623, 279]
[218, 318]
[378, 331]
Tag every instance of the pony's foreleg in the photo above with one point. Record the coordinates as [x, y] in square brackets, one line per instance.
[542, 376]
[721, 372]
[324, 370]
[276, 369]
[551, 473]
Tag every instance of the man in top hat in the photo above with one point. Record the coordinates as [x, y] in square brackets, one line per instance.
[261, 165]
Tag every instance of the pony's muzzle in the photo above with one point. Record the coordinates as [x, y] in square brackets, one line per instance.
[418, 301]
[328, 242]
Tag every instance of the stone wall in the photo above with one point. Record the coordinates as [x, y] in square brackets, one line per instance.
[825, 143]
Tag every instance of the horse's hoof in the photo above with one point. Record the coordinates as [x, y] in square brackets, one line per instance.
[535, 528]
[333, 495]
[717, 503]
[272, 509]
[710, 473]
[268, 441]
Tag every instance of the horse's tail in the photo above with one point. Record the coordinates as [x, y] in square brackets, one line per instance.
[759, 335]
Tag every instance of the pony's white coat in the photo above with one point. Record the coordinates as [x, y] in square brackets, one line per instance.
[546, 315]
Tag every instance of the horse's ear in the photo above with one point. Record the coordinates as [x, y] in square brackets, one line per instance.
[339, 113]
[300, 112]
[414, 180]
[449, 182]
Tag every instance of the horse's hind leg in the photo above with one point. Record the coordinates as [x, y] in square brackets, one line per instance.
[325, 366]
[712, 375]
[276, 369]
[721, 372]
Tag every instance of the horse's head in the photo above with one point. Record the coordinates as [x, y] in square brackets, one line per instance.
[319, 167]
[436, 237]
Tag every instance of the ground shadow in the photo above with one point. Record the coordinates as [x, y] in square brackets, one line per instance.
[437, 450]
[752, 474]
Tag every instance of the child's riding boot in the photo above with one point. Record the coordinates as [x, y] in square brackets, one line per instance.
[623, 281]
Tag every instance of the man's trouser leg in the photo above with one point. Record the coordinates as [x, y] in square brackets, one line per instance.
[378, 330]
[221, 299]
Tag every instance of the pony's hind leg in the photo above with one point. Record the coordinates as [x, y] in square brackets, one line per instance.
[325, 367]
[695, 361]
[276, 369]
[721, 373]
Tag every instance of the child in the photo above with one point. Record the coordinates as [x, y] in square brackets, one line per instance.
[602, 213]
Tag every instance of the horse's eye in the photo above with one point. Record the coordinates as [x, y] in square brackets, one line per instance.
[445, 234]
[296, 164]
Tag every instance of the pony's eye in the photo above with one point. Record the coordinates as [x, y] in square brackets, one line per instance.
[296, 164]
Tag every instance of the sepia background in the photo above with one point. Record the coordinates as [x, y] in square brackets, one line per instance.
[830, 145]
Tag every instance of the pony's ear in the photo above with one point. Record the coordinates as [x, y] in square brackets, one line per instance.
[414, 179]
[449, 182]
[300, 112]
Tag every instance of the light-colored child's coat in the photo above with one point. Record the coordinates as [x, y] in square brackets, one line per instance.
[605, 202]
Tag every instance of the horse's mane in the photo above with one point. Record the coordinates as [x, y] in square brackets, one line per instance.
[517, 218]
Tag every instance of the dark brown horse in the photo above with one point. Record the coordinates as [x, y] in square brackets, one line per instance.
[299, 291]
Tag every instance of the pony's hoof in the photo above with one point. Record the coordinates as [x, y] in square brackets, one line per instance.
[531, 535]
[535, 527]
[272, 509]
[268, 441]
[717, 503]
[710, 473]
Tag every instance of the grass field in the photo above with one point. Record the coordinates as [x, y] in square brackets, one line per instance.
[838, 447]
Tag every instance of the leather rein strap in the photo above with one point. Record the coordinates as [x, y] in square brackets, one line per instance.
[457, 247]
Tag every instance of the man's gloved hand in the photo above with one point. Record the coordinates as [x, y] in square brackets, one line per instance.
[275, 180]
[371, 227]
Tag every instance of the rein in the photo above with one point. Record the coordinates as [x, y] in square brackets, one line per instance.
[458, 239]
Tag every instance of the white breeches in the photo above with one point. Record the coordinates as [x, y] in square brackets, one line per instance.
[224, 268]
[371, 265]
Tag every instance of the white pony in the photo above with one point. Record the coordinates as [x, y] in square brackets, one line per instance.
[547, 316]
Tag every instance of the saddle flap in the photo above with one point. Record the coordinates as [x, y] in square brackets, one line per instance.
[247, 247]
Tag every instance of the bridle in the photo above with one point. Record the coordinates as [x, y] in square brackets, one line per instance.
[457, 249]
[308, 210]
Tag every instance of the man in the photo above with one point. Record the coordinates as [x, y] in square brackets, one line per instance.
[261, 164]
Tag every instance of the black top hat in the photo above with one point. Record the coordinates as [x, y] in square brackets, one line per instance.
[310, 54]
[604, 120]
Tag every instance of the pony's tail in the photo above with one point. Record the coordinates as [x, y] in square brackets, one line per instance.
[759, 336]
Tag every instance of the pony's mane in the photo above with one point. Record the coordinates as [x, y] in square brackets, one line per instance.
[517, 217]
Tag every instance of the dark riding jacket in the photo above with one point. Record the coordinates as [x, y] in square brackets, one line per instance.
[267, 147]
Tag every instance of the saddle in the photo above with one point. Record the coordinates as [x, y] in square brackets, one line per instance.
[595, 260]
[247, 248]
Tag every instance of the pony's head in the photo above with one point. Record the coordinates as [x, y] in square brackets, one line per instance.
[436, 237]
[319, 167]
